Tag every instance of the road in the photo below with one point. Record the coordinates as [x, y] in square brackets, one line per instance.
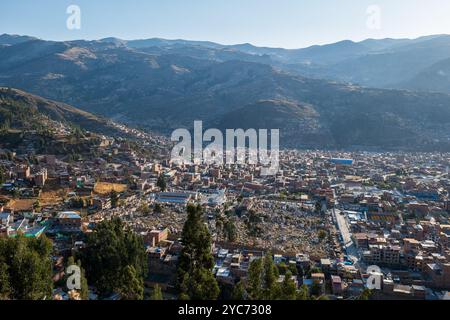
[349, 246]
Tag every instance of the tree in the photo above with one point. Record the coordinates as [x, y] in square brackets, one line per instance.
[288, 289]
[144, 209]
[253, 224]
[322, 235]
[262, 279]
[365, 295]
[157, 294]
[293, 269]
[25, 268]
[303, 293]
[314, 269]
[282, 268]
[84, 290]
[132, 286]
[229, 230]
[195, 278]
[161, 183]
[158, 208]
[220, 221]
[37, 205]
[77, 203]
[270, 285]
[114, 198]
[316, 289]
[5, 288]
[255, 272]
[2, 175]
[239, 291]
[114, 255]
[318, 207]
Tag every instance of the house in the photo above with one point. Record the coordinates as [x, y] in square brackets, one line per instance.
[173, 197]
[102, 203]
[154, 237]
[336, 285]
[67, 221]
[318, 279]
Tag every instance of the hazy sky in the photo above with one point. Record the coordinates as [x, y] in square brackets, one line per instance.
[275, 23]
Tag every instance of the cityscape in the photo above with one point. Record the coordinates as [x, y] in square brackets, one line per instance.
[96, 204]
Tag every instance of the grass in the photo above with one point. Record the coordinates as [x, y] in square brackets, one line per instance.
[22, 204]
[104, 188]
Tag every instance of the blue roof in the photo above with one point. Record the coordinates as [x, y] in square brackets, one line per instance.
[341, 161]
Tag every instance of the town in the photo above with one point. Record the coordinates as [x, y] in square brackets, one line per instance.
[324, 219]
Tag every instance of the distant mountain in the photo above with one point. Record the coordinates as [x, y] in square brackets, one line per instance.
[392, 66]
[383, 63]
[435, 78]
[167, 86]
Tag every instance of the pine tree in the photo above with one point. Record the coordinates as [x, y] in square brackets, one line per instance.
[195, 278]
[5, 288]
[158, 208]
[255, 271]
[318, 207]
[270, 286]
[157, 293]
[288, 289]
[84, 290]
[365, 295]
[2, 175]
[114, 198]
[303, 293]
[230, 231]
[132, 287]
[239, 291]
[161, 183]
[114, 255]
[26, 268]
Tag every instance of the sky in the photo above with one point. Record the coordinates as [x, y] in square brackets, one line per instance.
[272, 23]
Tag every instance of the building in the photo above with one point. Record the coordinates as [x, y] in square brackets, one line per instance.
[382, 254]
[154, 237]
[318, 279]
[174, 197]
[340, 161]
[102, 203]
[336, 285]
[67, 222]
[23, 172]
[40, 178]
[439, 275]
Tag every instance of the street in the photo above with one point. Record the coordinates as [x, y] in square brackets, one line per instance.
[349, 246]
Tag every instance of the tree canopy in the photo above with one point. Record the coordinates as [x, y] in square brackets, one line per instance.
[115, 260]
[161, 183]
[195, 278]
[25, 268]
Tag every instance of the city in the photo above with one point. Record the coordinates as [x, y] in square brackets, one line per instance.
[207, 159]
[326, 216]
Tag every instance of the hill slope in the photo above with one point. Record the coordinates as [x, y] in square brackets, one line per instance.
[21, 110]
[164, 91]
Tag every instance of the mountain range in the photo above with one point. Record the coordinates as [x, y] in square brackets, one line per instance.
[382, 94]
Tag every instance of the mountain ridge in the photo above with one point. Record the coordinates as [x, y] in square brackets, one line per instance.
[166, 88]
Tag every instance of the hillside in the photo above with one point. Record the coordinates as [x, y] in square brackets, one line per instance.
[23, 111]
[170, 84]
[435, 78]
